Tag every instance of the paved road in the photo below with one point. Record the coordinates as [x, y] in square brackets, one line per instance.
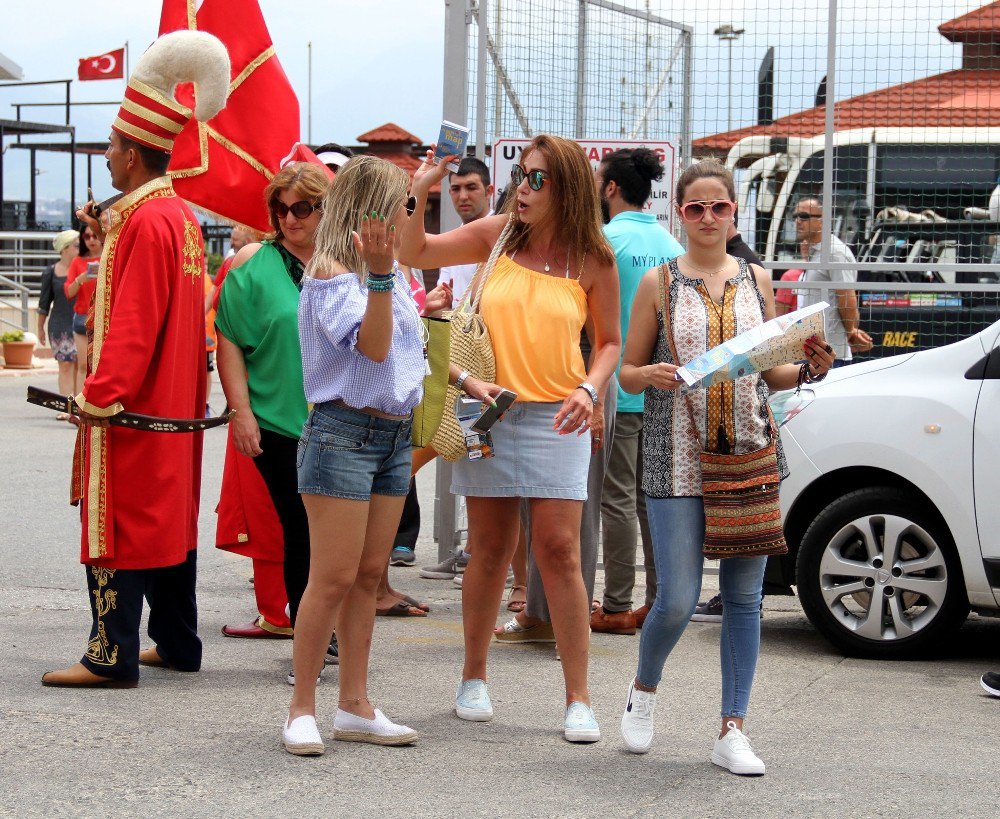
[840, 736]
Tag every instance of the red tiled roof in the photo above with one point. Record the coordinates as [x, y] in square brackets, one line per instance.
[408, 162]
[390, 132]
[972, 26]
[963, 98]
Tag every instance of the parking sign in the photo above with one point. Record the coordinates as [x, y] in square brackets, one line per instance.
[507, 152]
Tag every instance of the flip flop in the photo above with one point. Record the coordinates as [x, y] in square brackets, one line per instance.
[517, 598]
[401, 609]
[413, 601]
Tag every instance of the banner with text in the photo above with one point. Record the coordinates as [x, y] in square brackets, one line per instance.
[507, 152]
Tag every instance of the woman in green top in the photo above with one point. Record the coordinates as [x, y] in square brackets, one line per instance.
[260, 364]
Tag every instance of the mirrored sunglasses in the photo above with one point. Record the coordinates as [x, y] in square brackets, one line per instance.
[535, 178]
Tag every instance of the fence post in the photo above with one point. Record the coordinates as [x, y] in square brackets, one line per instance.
[830, 124]
[581, 67]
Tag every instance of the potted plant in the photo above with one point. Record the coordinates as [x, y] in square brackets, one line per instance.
[16, 351]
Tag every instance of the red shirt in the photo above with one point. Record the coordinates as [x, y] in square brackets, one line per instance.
[77, 268]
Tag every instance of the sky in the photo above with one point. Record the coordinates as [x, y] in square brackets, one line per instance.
[376, 61]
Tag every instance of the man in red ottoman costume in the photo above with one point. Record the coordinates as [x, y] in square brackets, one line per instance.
[140, 489]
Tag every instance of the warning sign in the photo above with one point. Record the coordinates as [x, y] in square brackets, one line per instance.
[507, 152]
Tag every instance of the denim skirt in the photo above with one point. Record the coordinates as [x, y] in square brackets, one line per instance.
[531, 459]
[347, 453]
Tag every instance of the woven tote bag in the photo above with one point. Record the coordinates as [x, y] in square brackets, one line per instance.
[740, 492]
[471, 350]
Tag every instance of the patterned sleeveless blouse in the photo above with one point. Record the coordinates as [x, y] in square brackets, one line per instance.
[671, 461]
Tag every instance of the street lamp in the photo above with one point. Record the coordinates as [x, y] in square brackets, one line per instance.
[727, 33]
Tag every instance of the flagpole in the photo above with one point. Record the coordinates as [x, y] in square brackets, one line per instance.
[127, 72]
[309, 105]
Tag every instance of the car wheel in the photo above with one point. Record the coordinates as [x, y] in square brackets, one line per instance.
[878, 575]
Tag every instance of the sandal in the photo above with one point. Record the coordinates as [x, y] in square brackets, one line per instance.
[595, 604]
[411, 601]
[517, 599]
[401, 609]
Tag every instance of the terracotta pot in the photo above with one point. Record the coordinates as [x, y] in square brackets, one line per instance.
[17, 354]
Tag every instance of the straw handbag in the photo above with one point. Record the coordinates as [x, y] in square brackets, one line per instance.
[471, 350]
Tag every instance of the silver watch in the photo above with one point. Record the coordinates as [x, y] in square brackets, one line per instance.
[591, 391]
[462, 377]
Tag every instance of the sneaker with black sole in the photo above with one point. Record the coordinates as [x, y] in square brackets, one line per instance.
[448, 568]
[333, 652]
[990, 681]
[290, 679]
[711, 611]
[708, 612]
[402, 556]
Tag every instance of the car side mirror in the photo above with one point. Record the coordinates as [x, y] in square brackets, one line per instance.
[986, 369]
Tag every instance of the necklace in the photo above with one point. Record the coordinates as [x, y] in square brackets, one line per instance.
[705, 272]
[546, 266]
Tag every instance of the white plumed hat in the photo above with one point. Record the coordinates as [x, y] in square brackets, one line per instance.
[149, 113]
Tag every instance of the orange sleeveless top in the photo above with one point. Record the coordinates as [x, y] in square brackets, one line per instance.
[535, 321]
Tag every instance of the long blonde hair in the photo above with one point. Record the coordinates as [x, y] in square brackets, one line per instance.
[364, 184]
[576, 205]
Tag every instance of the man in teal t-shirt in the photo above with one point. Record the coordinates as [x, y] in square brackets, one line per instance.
[624, 180]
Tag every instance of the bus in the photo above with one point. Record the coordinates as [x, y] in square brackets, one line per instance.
[921, 170]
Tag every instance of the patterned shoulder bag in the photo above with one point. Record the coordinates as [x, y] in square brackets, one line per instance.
[742, 510]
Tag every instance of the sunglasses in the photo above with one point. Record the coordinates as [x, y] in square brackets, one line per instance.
[300, 209]
[535, 178]
[802, 216]
[695, 211]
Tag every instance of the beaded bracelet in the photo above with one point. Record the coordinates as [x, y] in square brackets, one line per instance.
[380, 284]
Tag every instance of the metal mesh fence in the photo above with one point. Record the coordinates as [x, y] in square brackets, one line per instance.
[877, 123]
[578, 68]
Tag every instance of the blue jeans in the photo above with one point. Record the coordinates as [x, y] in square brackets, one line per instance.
[677, 526]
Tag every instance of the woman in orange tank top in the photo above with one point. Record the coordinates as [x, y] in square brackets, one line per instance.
[554, 270]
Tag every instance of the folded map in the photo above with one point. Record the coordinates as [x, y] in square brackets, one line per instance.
[778, 341]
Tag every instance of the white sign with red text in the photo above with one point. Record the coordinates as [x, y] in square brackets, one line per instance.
[507, 153]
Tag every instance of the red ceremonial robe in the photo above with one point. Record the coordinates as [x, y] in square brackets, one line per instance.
[140, 490]
[248, 523]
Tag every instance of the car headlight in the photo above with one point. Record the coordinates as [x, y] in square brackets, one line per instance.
[788, 403]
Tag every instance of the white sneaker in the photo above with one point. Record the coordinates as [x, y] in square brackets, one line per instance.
[637, 721]
[301, 737]
[733, 751]
[472, 701]
[381, 730]
[580, 724]
[456, 581]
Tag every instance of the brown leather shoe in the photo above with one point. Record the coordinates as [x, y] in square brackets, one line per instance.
[254, 631]
[79, 676]
[619, 622]
[640, 615]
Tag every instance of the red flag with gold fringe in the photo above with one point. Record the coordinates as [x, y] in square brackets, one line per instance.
[222, 166]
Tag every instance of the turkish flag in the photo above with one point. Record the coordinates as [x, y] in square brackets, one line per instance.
[110, 66]
[223, 166]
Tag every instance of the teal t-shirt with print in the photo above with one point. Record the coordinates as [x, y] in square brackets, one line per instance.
[640, 243]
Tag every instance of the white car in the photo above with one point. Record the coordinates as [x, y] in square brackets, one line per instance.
[892, 508]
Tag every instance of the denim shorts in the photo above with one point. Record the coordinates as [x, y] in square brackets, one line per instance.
[347, 453]
[80, 324]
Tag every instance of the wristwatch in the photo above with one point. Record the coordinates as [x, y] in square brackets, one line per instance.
[591, 390]
[461, 379]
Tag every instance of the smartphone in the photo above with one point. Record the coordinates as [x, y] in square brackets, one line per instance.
[493, 414]
[92, 268]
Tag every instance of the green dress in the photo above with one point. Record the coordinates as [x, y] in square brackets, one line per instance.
[258, 312]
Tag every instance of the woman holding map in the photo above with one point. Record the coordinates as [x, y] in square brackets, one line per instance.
[681, 310]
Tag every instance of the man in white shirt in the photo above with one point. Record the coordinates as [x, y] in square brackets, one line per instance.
[843, 330]
[470, 191]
